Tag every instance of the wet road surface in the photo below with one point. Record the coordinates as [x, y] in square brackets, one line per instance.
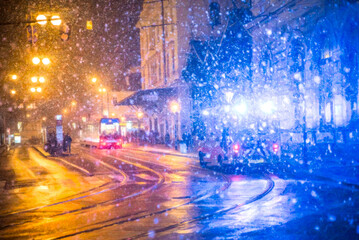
[129, 194]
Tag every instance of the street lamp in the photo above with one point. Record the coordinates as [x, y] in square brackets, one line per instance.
[73, 103]
[14, 77]
[13, 92]
[41, 19]
[34, 79]
[41, 79]
[46, 61]
[33, 89]
[94, 80]
[139, 114]
[55, 20]
[175, 106]
[36, 60]
[103, 90]
[38, 89]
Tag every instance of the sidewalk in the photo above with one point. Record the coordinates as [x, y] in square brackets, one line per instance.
[340, 168]
[3, 149]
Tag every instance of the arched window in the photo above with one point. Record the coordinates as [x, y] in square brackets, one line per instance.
[214, 14]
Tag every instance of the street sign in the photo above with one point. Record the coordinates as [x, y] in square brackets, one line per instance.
[59, 129]
[59, 134]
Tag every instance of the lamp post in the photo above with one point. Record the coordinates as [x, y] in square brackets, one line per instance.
[103, 90]
[139, 115]
[175, 108]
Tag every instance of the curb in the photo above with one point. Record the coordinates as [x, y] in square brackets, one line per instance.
[39, 151]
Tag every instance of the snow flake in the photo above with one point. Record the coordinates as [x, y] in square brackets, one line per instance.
[151, 234]
[332, 218]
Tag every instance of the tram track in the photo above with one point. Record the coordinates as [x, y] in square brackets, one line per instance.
[269, 188]
[137, 215]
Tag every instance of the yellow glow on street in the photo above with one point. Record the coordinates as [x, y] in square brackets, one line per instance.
[36, 60]
[39, 89]
[13, 92]
[34, 79]
[42, 79]
[41, 19]
[73, 103]
[94, 80]
[14, 77]
[33, 90]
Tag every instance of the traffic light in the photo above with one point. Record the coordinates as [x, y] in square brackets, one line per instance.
[65, 32]
[32, 35]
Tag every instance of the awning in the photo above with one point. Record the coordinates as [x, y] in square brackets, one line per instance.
[150, 98]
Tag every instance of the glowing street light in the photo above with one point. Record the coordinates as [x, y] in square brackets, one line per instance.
[34, 79]
[102, 89]
[65, 110]
[13, 92]
[175, 107]
[46, 61]
[268, 107]
[139, 114]
[41, 79]
[33, 89]
[241, 108]
[55, 20]
[44, 119]
[41, 19]
[94, 80]
[38, 89]
[73, 103]
[14, 77]
[36, 60]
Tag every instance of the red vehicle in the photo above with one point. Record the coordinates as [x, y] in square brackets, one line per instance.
[210, 151]
[246, 149]
[106, 134]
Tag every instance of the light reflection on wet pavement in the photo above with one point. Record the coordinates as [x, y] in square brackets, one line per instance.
[144, 195]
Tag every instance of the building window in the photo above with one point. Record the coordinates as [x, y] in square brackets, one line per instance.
[214, 14]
